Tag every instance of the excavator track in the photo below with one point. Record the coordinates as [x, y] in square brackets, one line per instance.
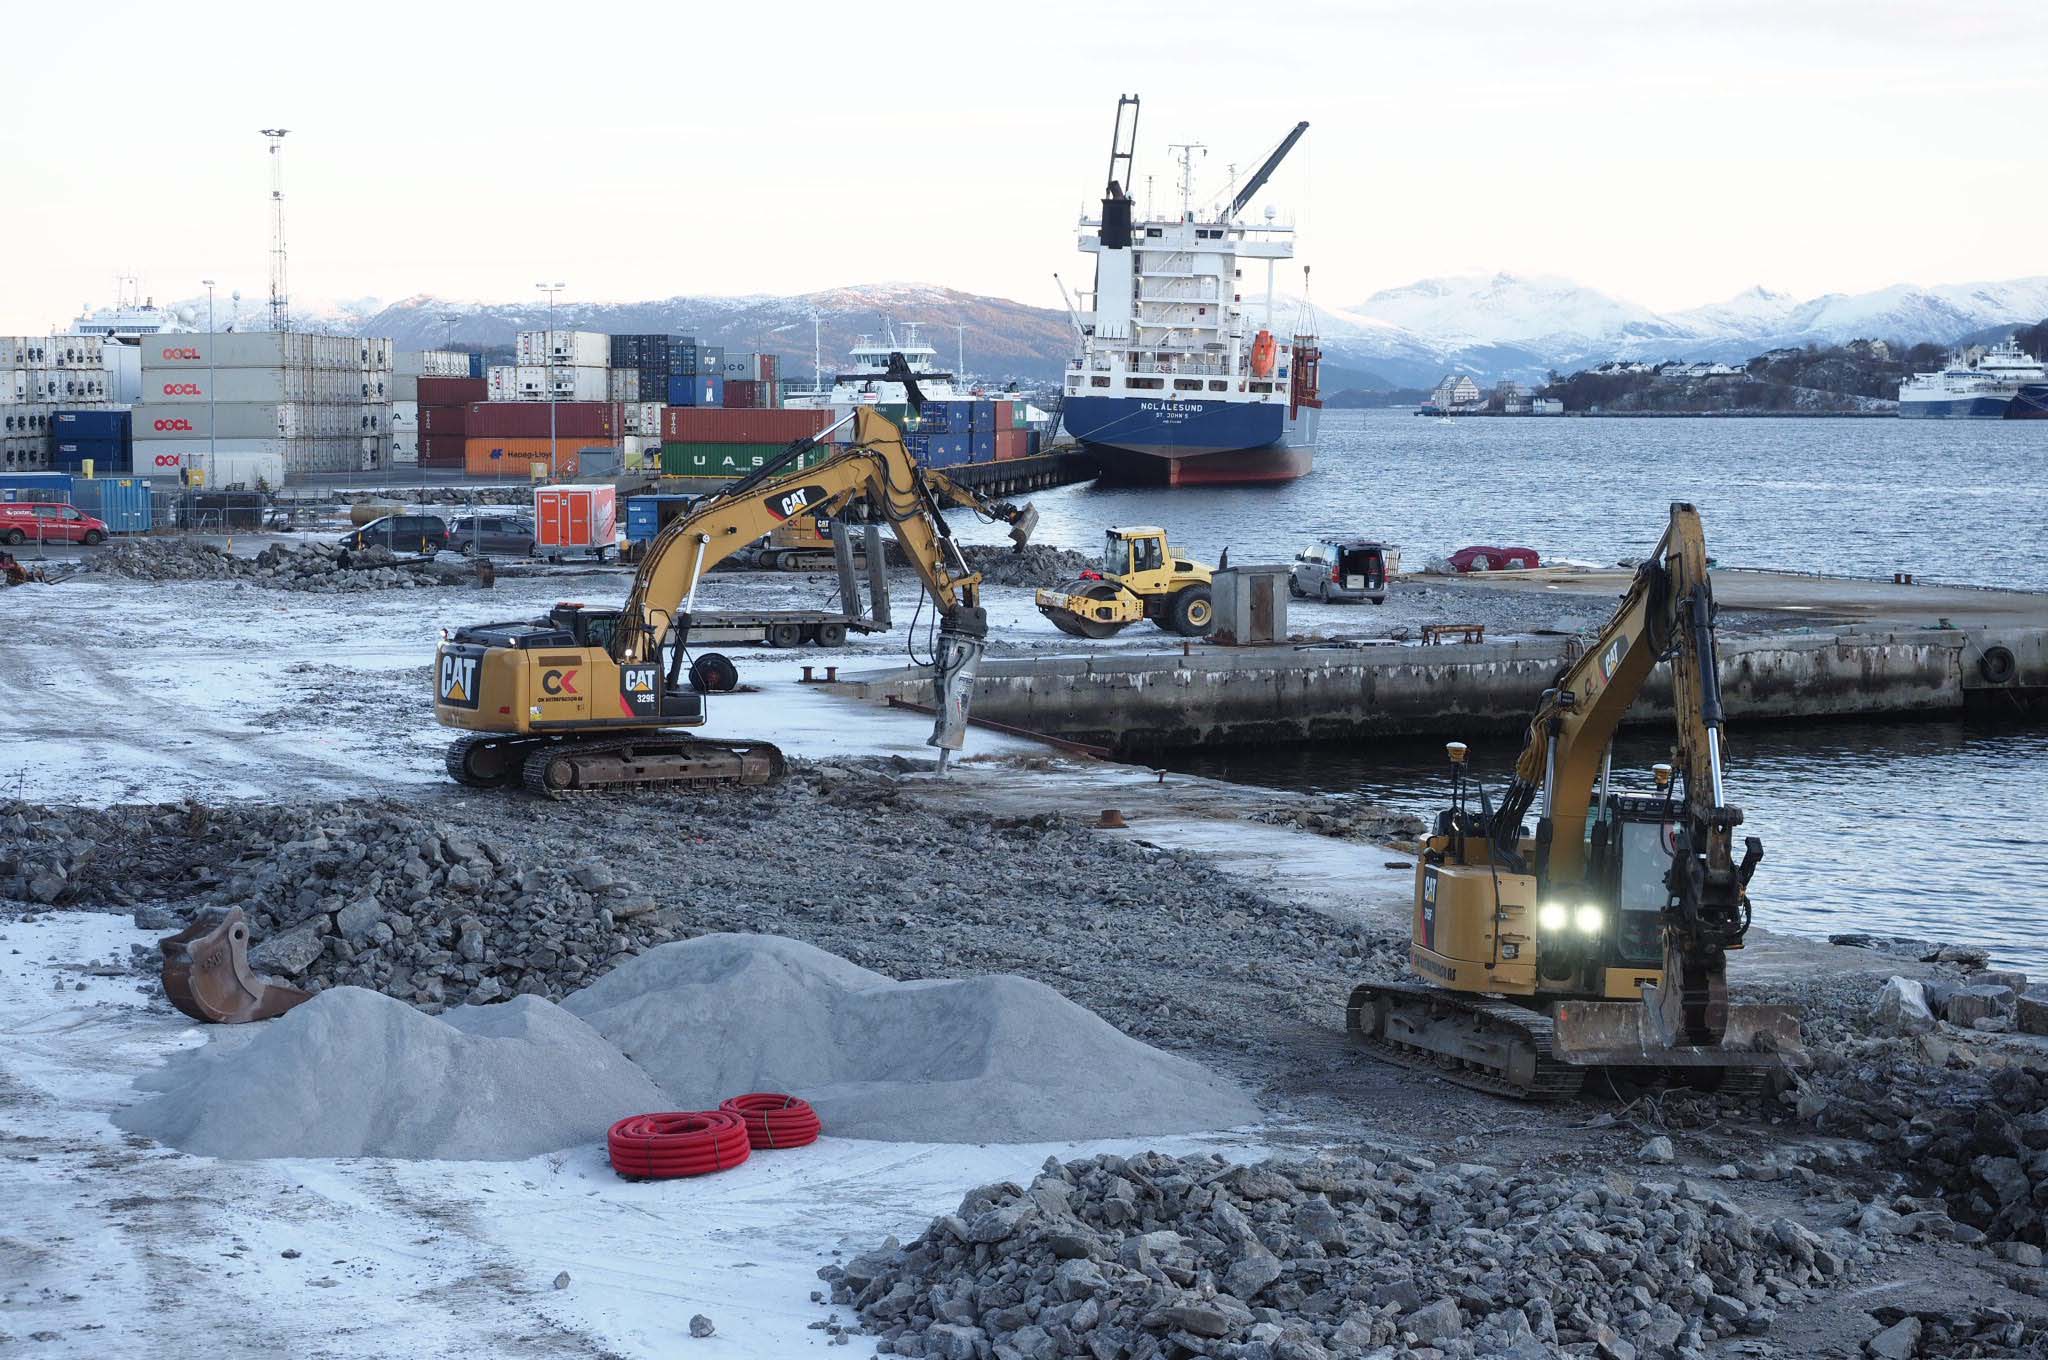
[1481, 1042]
[482, 761]
[572, 767]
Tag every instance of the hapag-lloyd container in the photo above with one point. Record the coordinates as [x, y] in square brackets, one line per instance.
[529, 419]
[258, 384]
[260, 349]
[712, 425]
[591, 349]
[508, 456]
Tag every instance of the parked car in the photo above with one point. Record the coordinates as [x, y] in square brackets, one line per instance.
[491, 535]
[401, 534]
[47, 522]
[1494, 559]
[1340, 569]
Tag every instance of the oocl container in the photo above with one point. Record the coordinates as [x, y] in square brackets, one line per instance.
[256, 349]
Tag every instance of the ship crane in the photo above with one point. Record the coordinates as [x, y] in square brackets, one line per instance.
[1265, 172]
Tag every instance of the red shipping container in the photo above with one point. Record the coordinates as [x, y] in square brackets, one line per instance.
[769, 367]
[529, 419]
[452, 391]
[1006, 415]
[444, 419]
[1012, 444]
[585, 517]
[742, 393]
[441, 450]
[723, 425]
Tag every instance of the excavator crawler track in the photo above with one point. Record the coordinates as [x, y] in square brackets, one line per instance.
[573, 767]
[486, 762]
[1482, 1042]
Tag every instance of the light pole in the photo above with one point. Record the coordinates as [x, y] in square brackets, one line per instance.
[212, 460]
[548, 373]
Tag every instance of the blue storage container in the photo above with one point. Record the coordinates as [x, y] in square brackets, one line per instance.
[108, 457]
[710, 389]
[123, 502]
[946, 450]
[645, 515]
[476, 365]
[682, 390]
[982, 446]
[95, 426]
[35, 486]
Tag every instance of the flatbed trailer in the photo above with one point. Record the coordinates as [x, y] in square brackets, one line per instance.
[776, 627]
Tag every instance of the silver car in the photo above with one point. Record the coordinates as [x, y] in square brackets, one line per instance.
[491, 535]
[1340, 570]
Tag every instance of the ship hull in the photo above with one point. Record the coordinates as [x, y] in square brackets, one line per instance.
[1959, 408]
[2030, 403]
[1195, 443]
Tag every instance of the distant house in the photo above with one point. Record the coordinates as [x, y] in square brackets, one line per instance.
[1456, 392]
[1546, 406]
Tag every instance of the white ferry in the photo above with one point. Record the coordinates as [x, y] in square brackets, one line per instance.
[2005, 382]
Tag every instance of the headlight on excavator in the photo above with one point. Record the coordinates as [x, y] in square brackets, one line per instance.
[1589, 920]
[1552, 916]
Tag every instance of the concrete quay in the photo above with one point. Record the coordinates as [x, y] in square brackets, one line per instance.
[1895, 651]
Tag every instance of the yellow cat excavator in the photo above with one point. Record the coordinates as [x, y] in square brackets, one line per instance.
[589, 699]
[1601, 941]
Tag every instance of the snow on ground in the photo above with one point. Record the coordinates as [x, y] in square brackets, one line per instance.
[112, 1245]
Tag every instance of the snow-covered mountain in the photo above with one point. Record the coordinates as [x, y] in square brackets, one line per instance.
[1487, 325]
[1506, 325]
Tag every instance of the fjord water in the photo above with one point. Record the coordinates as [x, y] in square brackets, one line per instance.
[1930, 829]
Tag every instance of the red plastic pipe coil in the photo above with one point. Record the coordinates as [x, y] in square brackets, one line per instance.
[678, 1143]
[775, 1120]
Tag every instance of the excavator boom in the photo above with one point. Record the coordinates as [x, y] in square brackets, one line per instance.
[582, 699]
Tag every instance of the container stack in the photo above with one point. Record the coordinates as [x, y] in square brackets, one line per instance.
[100, 437]
[752, 380]
[699, 442]
[951, 433]
[263, 406]
[563, 365]
[510, 438]
[444, 418]
[42, 376]
[409, 367]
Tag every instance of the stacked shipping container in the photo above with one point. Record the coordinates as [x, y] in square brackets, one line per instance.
[263, 406]
[509, 438]
[41, 376]
[444, 419]
[697, 442]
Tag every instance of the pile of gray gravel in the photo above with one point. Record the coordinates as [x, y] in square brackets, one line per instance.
[1157, 1256]
[323, 567]
[354, 1074]
[1035, 564]
[997, 1059]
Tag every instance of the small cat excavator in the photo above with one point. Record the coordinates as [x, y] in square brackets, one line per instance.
[587, 699]
[1601, 941]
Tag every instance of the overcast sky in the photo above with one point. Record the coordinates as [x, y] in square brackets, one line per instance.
[1670, 154]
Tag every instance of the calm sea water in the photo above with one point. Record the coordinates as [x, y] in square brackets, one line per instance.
[1949, 500]
[1931, 829]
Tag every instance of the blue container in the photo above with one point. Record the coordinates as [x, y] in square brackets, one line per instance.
[983, 417]
[107, 457]
[98, 426]
[644, 514]
[123, 502]
[710, 389]
[682, 390]
[982, 446]
[946, 450]
[476, 365]
[682, 360]
[35, 486]
[710, 358]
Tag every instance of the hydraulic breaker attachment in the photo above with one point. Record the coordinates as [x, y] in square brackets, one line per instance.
[963, 633]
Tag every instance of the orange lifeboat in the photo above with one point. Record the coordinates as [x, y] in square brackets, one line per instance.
[1263, 351]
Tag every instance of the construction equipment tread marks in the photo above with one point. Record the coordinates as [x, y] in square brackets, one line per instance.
[570, 767]
[1527, 1031]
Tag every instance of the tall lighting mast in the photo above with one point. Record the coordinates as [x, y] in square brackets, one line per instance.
[280, 306]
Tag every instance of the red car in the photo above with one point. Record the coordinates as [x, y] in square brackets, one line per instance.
[1494, 559]
[44, 522]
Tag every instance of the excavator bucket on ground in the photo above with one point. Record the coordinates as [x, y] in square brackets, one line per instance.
[1632, 1034]
[207, 974]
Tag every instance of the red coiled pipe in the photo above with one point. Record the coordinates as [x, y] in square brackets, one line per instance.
[775, 1120]
[678, 1143]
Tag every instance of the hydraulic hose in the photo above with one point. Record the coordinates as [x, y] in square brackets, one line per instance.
[678, 1143]
[774, 1120]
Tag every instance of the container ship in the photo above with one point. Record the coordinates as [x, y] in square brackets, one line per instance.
[2005, 383]
[1172, 385]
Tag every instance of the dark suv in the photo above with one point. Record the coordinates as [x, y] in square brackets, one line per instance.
[492, 535]
[401, 534]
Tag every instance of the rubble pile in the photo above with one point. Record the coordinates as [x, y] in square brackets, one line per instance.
[324, 567]
[1345, 819]
[1035, 564]
[368, 895]
[1157, 1256]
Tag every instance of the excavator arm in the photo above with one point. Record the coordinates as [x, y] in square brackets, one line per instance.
[875, 465]
[1667, 614]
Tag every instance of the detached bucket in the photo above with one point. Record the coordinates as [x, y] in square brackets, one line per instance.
[1628, 1034]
